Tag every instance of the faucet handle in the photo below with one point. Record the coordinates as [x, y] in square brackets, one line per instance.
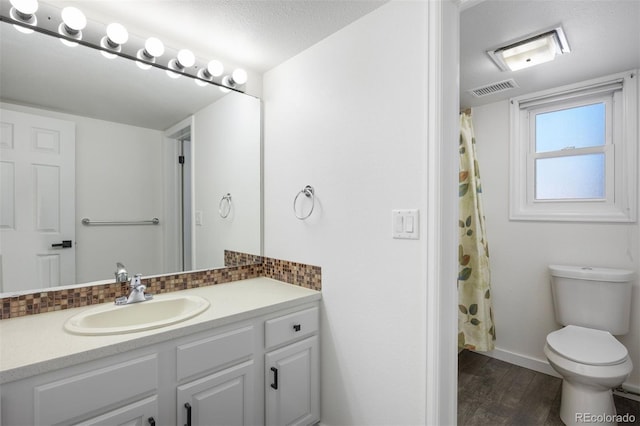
[135, 281]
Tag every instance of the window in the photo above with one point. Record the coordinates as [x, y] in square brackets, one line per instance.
[574, 152]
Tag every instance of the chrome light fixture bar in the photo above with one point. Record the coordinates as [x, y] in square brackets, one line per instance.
[112, 40]
[531, 50]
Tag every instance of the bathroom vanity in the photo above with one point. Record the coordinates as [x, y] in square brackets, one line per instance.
[251, 358]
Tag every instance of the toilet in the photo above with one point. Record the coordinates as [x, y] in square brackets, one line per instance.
[593, 305]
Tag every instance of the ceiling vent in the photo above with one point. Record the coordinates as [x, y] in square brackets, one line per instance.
[492, 88]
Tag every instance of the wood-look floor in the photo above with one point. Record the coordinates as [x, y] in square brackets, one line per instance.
[494, 392]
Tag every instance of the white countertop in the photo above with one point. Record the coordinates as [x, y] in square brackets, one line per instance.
[37, 344]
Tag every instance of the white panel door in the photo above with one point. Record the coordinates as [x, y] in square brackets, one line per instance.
[37, 201]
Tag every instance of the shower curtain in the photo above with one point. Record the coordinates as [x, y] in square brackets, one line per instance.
[476, 329]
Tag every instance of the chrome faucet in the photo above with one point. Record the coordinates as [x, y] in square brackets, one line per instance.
[136, 294]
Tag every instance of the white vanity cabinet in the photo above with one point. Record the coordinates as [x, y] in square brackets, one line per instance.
[202, 376]
[292, 364]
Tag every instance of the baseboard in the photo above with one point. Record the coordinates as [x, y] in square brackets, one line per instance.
[634, 389]
[535, 364]
[542, 366]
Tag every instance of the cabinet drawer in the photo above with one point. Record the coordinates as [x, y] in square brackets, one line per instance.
[137, 413]
[85, 393]
[290, 327]
[214, 352]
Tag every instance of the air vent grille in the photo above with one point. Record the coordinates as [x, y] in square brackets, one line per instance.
[492, 88]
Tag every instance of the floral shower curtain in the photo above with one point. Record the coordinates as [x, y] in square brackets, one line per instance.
[476, 329]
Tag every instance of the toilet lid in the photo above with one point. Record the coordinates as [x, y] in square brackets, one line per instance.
[587, 346]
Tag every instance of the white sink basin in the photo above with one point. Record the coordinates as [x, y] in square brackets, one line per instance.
[158, 312]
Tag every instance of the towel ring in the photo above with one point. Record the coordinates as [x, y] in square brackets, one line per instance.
[225, 201]
[309, 193]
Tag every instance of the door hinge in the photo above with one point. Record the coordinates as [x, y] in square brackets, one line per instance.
[181, 159]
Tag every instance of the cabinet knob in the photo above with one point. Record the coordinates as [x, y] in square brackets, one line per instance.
[297, 327]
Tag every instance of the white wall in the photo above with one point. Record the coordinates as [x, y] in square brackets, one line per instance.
[348, 116]
[227, 156]
[118, 177]
[520, 252]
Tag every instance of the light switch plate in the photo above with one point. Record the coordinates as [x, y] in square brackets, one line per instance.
[406, 224]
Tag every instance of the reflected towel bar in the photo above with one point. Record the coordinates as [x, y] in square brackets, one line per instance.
[154, 221]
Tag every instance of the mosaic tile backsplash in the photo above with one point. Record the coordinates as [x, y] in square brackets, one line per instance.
[238, 266]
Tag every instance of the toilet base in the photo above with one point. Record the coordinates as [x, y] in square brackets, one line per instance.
[582, 405]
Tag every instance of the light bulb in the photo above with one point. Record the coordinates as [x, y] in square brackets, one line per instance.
[214, 69]
[117, 34]
[25, 7]
[73, 19]
[239, 76]
[186, 58]
[24, 11]
[153, 48]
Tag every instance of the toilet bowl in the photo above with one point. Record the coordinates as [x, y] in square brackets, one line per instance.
[591, 363]
[593, 305]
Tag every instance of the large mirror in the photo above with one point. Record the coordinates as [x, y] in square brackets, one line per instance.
[131, 127]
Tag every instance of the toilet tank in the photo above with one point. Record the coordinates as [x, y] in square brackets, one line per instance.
[597, 298]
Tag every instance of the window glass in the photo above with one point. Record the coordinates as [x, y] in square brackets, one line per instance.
[571, 177]
[578, 127]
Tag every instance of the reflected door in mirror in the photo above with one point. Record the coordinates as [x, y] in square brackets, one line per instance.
[37, 192]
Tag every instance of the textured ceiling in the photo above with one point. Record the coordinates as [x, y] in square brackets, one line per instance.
[604, 37]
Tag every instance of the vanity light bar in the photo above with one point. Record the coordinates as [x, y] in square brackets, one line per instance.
[74, 29]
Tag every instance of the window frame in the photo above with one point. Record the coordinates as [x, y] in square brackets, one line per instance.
[620, 94]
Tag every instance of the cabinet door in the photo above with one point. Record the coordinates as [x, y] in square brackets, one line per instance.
[141, 413]
[292, 384]
[224, 398]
